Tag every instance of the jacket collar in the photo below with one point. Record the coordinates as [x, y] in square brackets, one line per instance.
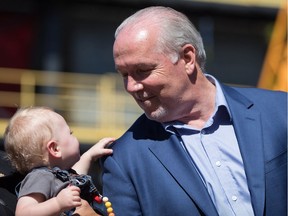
[246, 121]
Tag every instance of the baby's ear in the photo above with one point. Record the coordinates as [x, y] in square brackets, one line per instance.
[53, 148]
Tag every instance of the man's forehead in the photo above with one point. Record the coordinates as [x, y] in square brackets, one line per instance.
[141, 35]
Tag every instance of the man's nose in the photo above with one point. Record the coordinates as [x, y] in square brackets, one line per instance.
[132, 85]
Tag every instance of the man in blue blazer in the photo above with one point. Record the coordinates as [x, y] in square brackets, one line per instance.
[201, 148]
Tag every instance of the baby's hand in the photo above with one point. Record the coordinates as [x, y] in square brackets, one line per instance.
[96, 151]
[99, 149]
[69, 198]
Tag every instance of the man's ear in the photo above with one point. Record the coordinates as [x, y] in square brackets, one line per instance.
[53, 148]
[189, 57]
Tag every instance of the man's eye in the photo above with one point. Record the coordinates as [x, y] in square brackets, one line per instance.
[123, 74]
[144, 70]
[143, 73]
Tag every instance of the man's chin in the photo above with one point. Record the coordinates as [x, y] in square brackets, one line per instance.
[158, 115]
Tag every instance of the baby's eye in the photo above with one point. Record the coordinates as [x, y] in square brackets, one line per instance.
[71, 132]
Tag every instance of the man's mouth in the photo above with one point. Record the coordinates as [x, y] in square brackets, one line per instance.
[142, 98]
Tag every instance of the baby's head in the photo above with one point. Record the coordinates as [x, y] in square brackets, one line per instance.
[35, 136]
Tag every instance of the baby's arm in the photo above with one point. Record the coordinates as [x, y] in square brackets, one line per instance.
[96, 151]
[35, 204]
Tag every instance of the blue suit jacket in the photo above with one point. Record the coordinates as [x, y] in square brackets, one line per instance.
[150, 174]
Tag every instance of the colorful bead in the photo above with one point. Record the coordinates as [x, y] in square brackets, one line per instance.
[105, 199]
[108, 206]
[110, 210]
[98, 199]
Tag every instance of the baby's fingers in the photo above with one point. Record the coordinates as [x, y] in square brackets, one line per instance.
[105, 142]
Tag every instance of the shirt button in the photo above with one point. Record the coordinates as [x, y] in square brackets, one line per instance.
[218, 163]
[234, 198]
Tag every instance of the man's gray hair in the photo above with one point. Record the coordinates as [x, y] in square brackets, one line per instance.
[175, 30]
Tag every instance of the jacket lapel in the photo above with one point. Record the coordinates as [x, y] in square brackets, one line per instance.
[246, 121]
[174, 158]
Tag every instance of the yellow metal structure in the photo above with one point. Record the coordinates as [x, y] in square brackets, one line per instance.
[274, 72]
[94, 106]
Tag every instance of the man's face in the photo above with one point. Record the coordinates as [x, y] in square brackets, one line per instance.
[156, 84]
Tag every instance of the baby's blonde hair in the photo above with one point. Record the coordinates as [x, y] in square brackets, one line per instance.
[25, 137]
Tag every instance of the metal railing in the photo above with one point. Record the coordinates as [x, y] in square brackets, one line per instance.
[94, 106]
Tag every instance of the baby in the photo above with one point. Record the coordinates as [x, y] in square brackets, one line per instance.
[38, 140]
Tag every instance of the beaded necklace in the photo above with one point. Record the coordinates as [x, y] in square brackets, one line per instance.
[107, 203]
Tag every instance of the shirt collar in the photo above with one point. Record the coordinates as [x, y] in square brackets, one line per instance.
[220, 98]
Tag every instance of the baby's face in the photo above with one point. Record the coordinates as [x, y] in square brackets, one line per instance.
[67, 142]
